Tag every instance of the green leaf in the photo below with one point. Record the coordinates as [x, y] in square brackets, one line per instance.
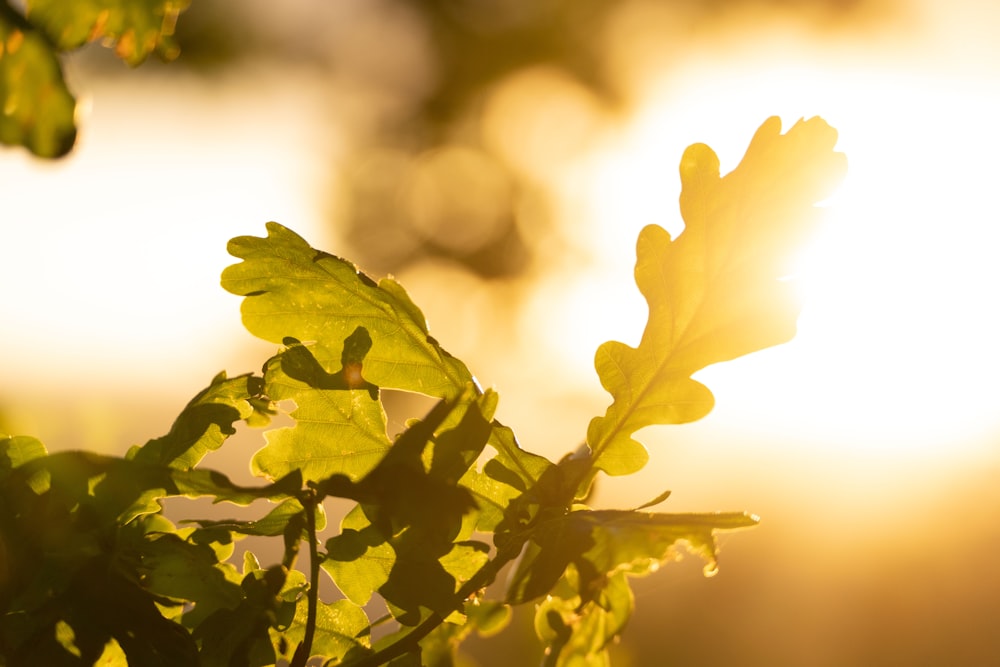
[601, 542]
[293, 290]
[716, 292]
[360, 558]
[135, 28]
[501, 487]
[36, 107]
[340, 628]
[637, 542]
[579, 565]
[16, 450]
[241, 636]
[102, 603]
[119, 490]
[270, 525]
[206, 422]
[577, 633]
[180, 570]
[556, 544]
[338, 430]
[412, 503]
[415, 485]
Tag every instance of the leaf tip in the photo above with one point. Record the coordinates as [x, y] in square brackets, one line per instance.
[699, 160]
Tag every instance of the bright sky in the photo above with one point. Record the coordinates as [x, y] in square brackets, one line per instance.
[113, 255]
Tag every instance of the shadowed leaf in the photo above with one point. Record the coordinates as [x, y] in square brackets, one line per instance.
[340, 423]
[206, 422]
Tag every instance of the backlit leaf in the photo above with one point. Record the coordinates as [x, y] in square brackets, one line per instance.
[293, 290]
[240, 635]
[637, 542]
[507, 476]
[135, 28]
[206, 422]
[16, 450]
[338, 626]
[579, 633]
[359, 559]
[36, 107]
[411, 502]
[599, 543]
[271, 524]
[338, 430]
[717, 291]
[181, 570]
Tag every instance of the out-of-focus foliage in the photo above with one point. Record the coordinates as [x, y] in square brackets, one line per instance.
[491, 71]
[448, 143]
[36, 107]
[36, 104]
[93, 573]
[134, 28]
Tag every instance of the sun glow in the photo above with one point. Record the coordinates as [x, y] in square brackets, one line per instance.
[897, 341]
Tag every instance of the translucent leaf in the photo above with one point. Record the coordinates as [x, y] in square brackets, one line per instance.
[505, 477]
[717, 291]
[206, 422]
[412, 504]
[338, 430]
[637, 542]
[602, 542]
[102, 603]
[36, 107]
[120, 490]
[270, 525]
[135, 28]
[113, 656]
[16, 450]
[359, 559]
[240, 635]
[338, 626]
[579, 633]
[181, 570]
[293, 290]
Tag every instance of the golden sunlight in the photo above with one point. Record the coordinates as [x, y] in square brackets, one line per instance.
[896, 328]
[126, 260]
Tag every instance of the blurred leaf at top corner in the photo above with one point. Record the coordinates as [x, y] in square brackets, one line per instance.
[135, 29]
[36, 107]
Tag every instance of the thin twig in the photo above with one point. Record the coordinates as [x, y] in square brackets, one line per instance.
[305, 647]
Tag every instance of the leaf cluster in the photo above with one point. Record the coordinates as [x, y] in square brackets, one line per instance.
[93, 572]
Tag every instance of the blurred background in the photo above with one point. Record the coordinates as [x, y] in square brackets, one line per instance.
[499, 158]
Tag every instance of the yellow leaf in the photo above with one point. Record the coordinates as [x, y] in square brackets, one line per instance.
[720, 289]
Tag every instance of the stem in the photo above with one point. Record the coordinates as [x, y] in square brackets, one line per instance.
[305, 647]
